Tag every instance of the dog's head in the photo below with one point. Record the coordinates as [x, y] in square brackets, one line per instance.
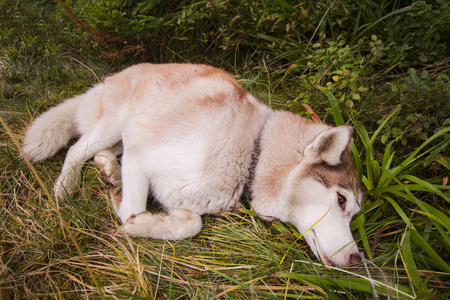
[321, 194]
[326, 197]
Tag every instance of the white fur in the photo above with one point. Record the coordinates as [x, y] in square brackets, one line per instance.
[189, 135]
[52, 131]
[177, 224]
[323, 224]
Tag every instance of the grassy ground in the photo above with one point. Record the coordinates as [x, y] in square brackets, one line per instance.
[75, 249]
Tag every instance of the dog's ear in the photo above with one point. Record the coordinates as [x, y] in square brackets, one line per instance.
[329, 145]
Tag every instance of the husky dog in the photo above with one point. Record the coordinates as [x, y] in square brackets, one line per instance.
[194, 137]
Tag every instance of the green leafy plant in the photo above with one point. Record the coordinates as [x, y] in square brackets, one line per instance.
[390, 182]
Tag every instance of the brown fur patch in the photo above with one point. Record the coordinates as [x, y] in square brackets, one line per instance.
[234, 93]
[217, 99]
[343, 174]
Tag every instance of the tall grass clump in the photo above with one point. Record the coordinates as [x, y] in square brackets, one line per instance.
[380, 66]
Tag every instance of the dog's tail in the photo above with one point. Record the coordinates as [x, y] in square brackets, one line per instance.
[52, 130]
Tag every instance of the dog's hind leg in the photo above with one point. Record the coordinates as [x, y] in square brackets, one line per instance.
[177, 224]
[99, 139]
[109, 166]
[110, 172]
[136, 181]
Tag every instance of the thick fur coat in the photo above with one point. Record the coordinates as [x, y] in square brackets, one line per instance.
[195, 138]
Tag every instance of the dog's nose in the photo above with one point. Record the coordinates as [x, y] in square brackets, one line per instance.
[354, 259]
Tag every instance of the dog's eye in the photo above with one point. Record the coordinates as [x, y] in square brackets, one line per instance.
[341, 201]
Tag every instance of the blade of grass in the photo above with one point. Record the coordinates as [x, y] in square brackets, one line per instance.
[400, 211]
[359, 224]
[375, 135]
[240, 284]
[411, 268]
[439, 262]
[359, 284]
[412, 156]
[357, 160]
[444, 220]
[364, 138]
[372, 24]
[334, 104]
[444, 161]
[426, 186]
[388, 156]
[436, 216]
[410, 186]
[373, 167]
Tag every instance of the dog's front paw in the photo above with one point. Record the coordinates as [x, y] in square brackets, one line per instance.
[137, 225]
[178, 224]
[65, 186]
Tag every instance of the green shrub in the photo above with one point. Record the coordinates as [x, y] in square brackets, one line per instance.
[415, 32]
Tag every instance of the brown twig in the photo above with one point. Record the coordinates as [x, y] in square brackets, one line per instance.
[99, 35]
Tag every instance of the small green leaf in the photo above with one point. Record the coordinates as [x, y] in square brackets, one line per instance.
[356, 97]
[394, 88]
[362, 89]
[424, 74]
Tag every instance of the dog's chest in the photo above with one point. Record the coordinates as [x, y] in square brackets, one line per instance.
[191, 174]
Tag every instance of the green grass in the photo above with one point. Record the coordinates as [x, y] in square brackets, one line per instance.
[375, 77]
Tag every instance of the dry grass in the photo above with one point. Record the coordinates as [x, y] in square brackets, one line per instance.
[76, 249]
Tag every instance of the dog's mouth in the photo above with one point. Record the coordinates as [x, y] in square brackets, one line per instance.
[318, 252]
[351, 257]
